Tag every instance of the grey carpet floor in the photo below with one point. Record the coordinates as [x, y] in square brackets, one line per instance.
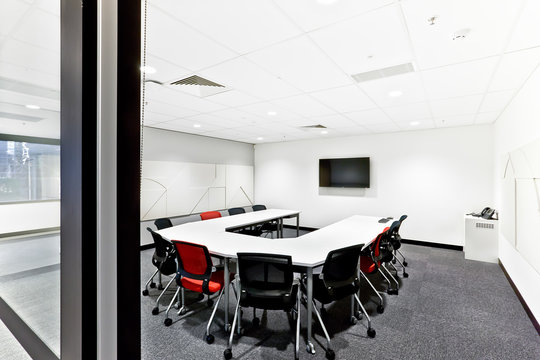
[449, 308]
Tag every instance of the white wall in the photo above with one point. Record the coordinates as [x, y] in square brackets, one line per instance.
[517, 126]
[29, 216]
[434, 176]
[165, 145]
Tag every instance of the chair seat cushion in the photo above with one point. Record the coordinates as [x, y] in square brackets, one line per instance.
[269, 299]
[214, 285]
[367, 266]
[324, 296]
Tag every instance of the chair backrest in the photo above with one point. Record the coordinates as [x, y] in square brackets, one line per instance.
[210, 215]
[236, 211]
[163, 223]
[395, 231]
[265, 272]
[376, 244]
[163, 247]
[258, 207]
[193, 260]
[341, 266]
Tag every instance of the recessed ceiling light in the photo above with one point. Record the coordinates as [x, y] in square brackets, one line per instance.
[260, 138]
[326, 2]
[196, 125]
[148, 69]
[272, 113]
[33, 107]
[415, 123]
[324, 132]
[395, 93]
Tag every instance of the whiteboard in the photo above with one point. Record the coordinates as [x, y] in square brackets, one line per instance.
[171, 188]
[528, 221]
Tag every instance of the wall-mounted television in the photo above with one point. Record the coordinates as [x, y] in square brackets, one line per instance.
[344, 173]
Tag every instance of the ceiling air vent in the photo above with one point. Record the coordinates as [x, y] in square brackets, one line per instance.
[313, 127]
[196, 80]
[384, 72]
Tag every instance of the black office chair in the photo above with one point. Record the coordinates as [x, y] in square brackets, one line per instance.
[253, 231]
[164, 259]
[267, 227]
[266, 282]
[339, 279]
[163, 223]
[395, 239]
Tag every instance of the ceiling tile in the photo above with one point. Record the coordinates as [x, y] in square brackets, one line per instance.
[304, 104]
[41, 29]
[344, 99]
[233, 98]
[527, 31]
[310, 14]
[301, 63]
[177, 98]
[490, 23]
[34, 77]
[172, 40]
[151, 118]
[464, 105]
[416, 125]
[184, 125]
[31, 57]
[496, 101]
[249, 78]
[241, 25]
[450, 121]
[264, 110]
[51, 6]
[238, 116]
[167, 109]
[10, 18]
[380, 90]
[514, 69]
[214, 120]
[380, 128]
[17, 98]
[368, 117]
[409, 112]
[166, 71]
[336, 121]
[486, 118]
[459, 80]
[371, 41]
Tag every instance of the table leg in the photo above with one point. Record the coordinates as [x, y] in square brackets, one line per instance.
[297, 225]
[226, 281]
[309, 345]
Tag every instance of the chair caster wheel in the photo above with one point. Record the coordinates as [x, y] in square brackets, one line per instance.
[167, 322]
[152, 285]
[394, 261]
[227, 328]
[310, 348]
[396, 291]
[145, 292]
[256, 322]
[209, 339]
[155, 311]
[405, 263]
[160, 287]
[358, 315]
[330, 354]
[227, 354]
[210, 303]
[380, 309]
[182, 311]
[353, 320]
[392, 291]
[371, 332]
[405, 275]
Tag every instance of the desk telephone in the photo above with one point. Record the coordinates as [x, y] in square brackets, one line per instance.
[486, 213]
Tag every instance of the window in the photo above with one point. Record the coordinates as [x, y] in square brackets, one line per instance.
[29, 171]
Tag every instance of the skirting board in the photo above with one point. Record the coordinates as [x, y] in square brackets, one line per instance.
[523, 303]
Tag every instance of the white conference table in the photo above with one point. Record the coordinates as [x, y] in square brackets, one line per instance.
[307, 251]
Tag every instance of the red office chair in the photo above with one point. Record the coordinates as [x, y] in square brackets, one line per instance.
[210, 215]
[370, 263]
[196, 273]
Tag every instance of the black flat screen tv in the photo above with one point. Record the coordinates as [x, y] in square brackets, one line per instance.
[344, 173]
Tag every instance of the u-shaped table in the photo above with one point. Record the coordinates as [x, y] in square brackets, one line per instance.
[308, 251]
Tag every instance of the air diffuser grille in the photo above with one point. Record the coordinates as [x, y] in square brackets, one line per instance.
[384, 72]
[196, 80]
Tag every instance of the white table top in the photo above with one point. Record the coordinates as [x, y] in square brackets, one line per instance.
[307, 250]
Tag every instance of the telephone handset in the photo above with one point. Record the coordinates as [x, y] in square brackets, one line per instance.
[487, 213]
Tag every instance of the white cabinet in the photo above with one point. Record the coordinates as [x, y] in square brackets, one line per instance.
[481, 239]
